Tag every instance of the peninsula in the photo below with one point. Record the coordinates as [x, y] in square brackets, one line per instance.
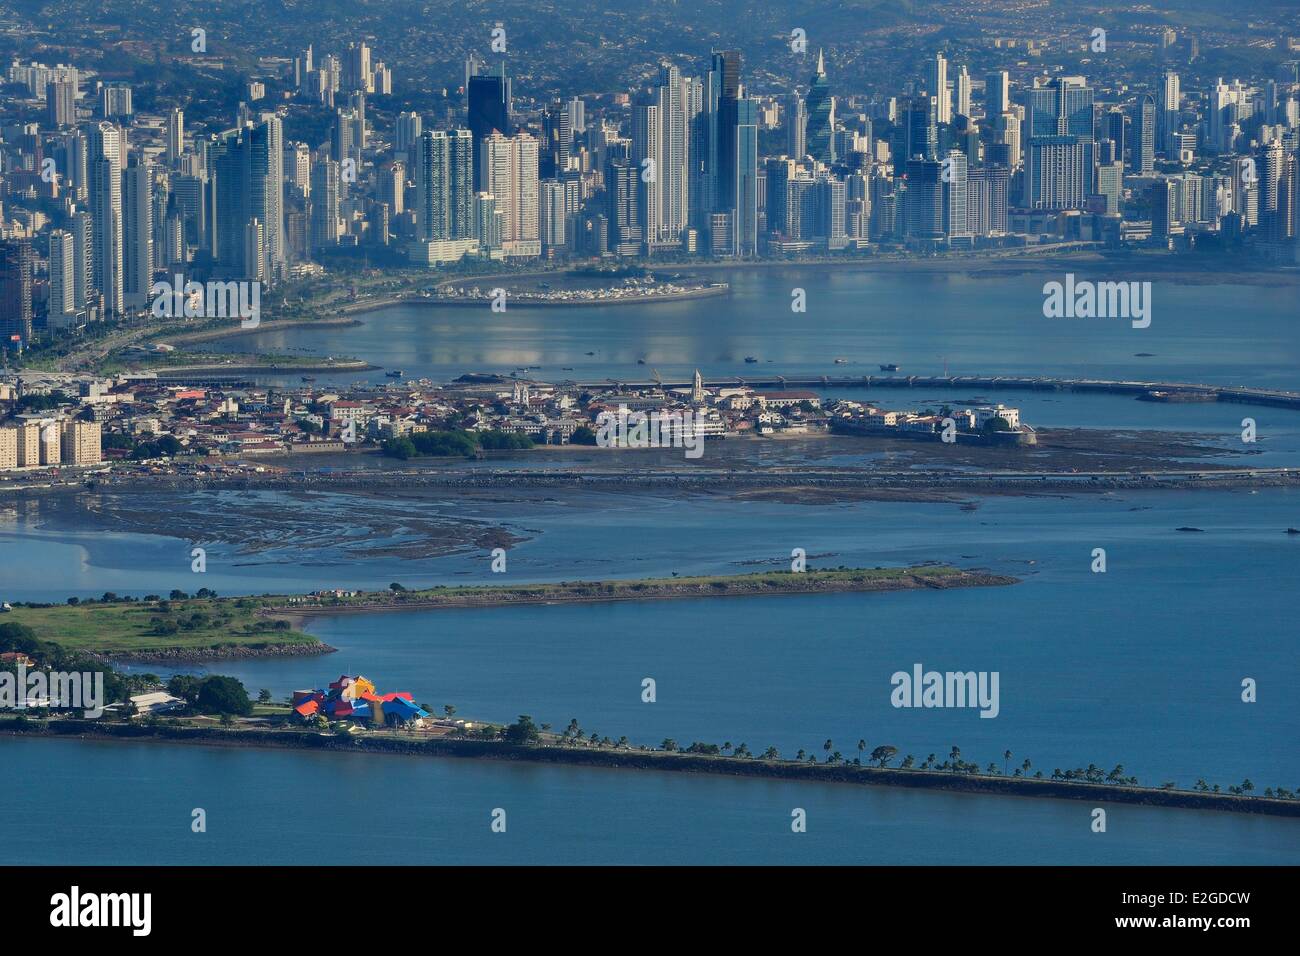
[205, 627]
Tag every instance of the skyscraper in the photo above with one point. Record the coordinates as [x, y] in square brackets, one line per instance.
[137, 235]
[249, 166]
[953, 174]
[175, 136]
[621, 191]
[1168, 104]
[796, 127]
[488, 100]
[819, 141]
[963, 92]
[1060, 149]
[63, 280]
[509, 173]
[923, 201]
[1059, 172]
[61, 103]
[1060, 107]
[551, 213]
[107, 152]
[445, 195]
[325, 204]
[997, 93]
[407, 136]
[15, 291]
[648, 160]
[745, 177]
[919, 130]
[674, 101]
[1144, 135]
[936, 84]
[83, 258]
[780, 172]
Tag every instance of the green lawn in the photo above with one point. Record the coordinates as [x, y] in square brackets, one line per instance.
[133, 628]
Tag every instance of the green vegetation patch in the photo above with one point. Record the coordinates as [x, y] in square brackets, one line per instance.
[134, 627]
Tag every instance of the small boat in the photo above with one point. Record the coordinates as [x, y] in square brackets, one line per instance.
[395, 373]
[567, 368]
[591, 353]
[309, 378]
[889, 367]
[750, 360]
[841, 361]
[640, 361]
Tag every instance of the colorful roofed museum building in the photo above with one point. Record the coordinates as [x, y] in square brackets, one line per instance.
[354, 698]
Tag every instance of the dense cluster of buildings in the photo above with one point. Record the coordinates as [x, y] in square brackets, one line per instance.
[137, 417]
[98, 199]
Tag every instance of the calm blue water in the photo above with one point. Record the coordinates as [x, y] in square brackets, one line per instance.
[90, 802]
[1140, 666]
[1216, 333]
[1158, 644]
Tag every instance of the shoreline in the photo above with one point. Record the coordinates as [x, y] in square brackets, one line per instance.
[846, 773]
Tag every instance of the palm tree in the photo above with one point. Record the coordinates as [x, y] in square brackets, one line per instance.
[827, 746]
[862, 745]
[800, 755]
[726, 746]
[955, 757]
[1006, 758]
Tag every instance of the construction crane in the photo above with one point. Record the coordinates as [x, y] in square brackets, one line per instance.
[658, 379]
